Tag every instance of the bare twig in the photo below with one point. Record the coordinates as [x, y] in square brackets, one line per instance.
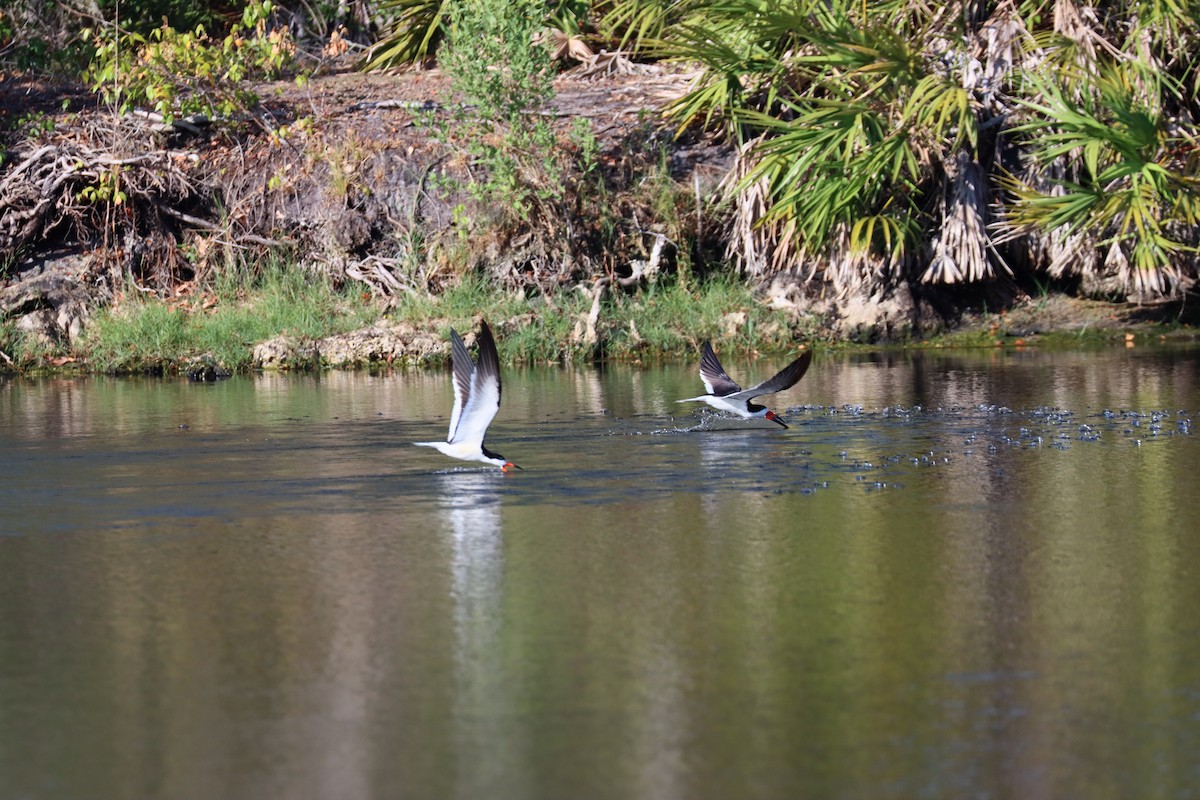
[204, 224]
[380, 274]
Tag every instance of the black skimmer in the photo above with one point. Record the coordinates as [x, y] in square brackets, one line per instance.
[476, 401]
[725, 394]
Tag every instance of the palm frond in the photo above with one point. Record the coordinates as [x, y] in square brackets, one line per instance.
[642, 27]
[879, 131]
[1128, 193]
[417, 28]
[943, 111]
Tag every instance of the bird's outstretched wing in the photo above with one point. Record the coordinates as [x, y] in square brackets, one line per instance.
[476, 388]
[716, 382]
[463, 367]
[784, 379]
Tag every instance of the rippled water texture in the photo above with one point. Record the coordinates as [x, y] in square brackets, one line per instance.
[956, 575]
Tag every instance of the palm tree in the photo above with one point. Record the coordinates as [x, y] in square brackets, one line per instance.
[879, 143]
[896, 141]
[859, 136]
[1108, 189]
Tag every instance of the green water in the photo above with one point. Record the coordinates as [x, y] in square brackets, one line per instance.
[956, 575]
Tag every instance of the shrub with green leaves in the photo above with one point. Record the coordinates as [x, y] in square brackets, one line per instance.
[39, 36]
[416, 29]
[505, 78]
[178, 73]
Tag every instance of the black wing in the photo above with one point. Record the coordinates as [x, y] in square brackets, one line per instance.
[716, 382]
[489, 359]
[785, 379]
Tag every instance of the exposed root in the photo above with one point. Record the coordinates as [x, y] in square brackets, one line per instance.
[77, 188]
[641, 271]
[382, 275]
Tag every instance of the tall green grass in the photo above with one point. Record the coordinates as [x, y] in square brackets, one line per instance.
[532, 328]
[670, 318]
[147, 335]
[673, 318]
[12, 344]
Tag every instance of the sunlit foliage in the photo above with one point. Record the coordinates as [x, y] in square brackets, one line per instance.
[882, 142]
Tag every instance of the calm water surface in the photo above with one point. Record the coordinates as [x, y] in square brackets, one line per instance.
[956, 575]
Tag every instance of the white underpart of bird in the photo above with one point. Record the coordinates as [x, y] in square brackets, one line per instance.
[724, 393]
[476, 401]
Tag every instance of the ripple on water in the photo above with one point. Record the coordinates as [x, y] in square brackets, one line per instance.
[889, 449]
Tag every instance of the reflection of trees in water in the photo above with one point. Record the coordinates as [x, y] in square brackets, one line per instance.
[442, 635]
[588, 391]
[1018, 379]
[54, 408]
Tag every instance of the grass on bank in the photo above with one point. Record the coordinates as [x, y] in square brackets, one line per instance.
[150, 335]
[146, 334]
[671, 319]
[659, 320]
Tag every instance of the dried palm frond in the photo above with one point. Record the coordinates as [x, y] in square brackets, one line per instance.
[850, 269]
[1079, 25]
[756, 246]
[606, 64]
[566, 46]
[1066, 253]
[1003, 45]
[960, 247]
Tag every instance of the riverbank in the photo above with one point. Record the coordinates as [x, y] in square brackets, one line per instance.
[286, 320]
[292, 321]
[344, 236]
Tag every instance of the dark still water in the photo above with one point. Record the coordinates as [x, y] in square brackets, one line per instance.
[971, 574]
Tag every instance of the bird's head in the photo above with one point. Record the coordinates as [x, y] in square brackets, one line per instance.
[500, 461]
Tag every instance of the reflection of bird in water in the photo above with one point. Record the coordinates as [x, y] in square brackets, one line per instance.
[473, 524]
[725, 394]
[472, 507]
[476, 401]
